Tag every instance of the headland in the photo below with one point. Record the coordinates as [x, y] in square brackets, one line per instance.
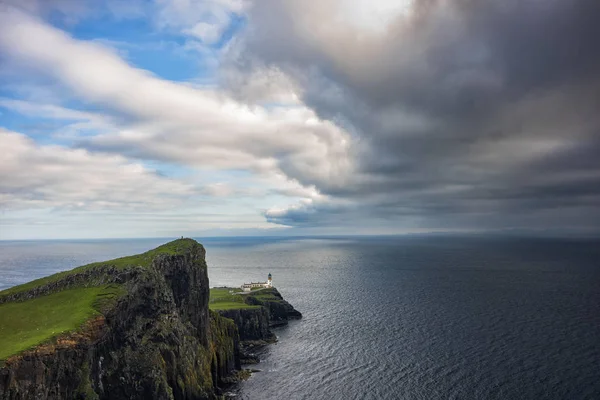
[139, 327]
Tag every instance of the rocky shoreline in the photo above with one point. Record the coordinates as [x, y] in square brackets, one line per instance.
[255, 325]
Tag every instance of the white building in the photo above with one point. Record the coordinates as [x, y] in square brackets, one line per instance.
[246, 287]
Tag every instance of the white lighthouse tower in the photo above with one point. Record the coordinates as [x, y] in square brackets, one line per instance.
[270, 281]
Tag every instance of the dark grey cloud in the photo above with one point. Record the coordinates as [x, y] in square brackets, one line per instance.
[471, 114]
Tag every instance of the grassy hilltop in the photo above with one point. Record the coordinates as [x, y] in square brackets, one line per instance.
[29, 323]
[227, 299]
[175, 247]
[235, 298]
[37, 319]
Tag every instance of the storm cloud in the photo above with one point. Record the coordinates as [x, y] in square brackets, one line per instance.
[478, 114]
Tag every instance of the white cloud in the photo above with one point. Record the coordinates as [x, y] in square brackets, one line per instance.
[207, 33]
[261, 85]
[42, 176]
[46, 110]
[371, 16]
[220, 189]
[59, 192]
[205, 20]
[178, 123]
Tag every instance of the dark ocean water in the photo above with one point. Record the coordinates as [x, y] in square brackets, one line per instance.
[400, 318]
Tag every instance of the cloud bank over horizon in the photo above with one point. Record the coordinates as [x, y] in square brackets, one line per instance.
[271, 116]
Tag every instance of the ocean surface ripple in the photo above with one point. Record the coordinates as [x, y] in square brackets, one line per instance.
[399, 317]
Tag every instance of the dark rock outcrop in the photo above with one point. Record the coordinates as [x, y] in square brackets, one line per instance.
[158, 341]
[280, 311]
[254, 324]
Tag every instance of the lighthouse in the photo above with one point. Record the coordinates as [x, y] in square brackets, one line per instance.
[247, 287]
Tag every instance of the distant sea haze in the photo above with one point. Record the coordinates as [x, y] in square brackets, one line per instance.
[399, 317]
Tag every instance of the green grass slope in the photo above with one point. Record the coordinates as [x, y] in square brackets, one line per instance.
[29, 323]
[226, 299]
[265, 295]
[24, 324]
[175, 247]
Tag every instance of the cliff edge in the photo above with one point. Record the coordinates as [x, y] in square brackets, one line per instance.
[254, 314]
[132, 328]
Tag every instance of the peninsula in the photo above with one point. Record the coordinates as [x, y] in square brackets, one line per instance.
[138, 327]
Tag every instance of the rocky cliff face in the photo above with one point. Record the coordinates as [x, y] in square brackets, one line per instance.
[255, 323]
[158, 341]
[252, 324]
[280, 311]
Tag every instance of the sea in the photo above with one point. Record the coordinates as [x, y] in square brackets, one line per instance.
[402, 317]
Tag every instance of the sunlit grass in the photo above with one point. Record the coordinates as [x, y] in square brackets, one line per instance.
[24, 324]
[175, 247]
[225, 299]
[29, 323]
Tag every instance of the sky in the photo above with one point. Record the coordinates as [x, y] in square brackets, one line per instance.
[155, 118]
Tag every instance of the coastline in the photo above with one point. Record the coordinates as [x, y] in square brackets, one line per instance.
[147, 331]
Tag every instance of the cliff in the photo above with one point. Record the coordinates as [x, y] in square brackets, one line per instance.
[252, 324]
[132, 328]
[279, 310]
[254, 314]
